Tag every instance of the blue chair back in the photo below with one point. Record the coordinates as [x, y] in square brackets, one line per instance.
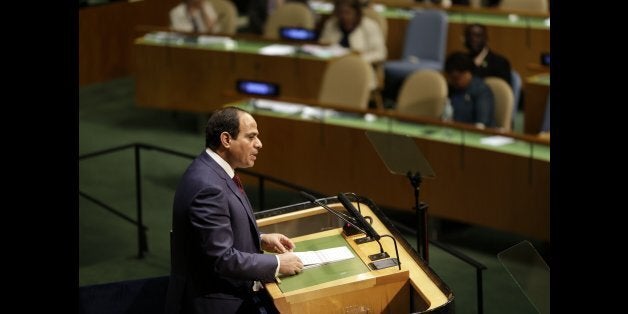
[426, 36]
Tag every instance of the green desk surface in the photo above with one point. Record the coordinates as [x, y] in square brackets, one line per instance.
[317, 275]
[424, 131]
[241, 46]
[511, 20]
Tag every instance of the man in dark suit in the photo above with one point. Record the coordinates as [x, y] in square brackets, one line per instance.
[216, 247]
[487, 63]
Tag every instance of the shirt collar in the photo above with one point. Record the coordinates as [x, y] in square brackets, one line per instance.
[221, 162]
[480, 57]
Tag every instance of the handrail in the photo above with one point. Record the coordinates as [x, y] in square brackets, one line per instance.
[141, 229]
[479, 267]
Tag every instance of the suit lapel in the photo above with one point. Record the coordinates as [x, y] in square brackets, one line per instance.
[232, 186]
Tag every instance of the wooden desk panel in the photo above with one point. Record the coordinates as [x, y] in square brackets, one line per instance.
[180, 78]
[106, 34]
[297, 77]
[478, 186]
[189, 78]
[536, 91]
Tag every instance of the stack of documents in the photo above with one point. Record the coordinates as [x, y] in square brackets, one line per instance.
[321, 257]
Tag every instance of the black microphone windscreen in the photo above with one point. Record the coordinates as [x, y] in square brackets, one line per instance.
[356, 214]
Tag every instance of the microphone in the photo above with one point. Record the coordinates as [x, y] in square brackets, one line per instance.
[380, 260]
[370, 232]
[349, 220]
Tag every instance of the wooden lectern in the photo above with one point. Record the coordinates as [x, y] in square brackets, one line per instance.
[351, 286]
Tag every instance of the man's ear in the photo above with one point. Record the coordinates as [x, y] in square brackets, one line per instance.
[225, 139]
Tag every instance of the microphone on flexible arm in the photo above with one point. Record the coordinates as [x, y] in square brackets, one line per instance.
[370, 232]
[350, 227]
[380, 260]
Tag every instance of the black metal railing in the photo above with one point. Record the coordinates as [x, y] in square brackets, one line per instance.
[138, 222]
[479, 267]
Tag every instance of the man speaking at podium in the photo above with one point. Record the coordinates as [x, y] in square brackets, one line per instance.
[216, 248]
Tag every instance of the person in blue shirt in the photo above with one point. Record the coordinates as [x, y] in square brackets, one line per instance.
[471, 99]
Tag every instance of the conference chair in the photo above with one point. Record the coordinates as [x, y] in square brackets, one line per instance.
[227, 16]
[293, 14]
[424, 48]
[423, 93]
[346, 83]
[502, 93]
[537, 6]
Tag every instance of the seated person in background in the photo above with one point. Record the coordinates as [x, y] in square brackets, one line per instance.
[260, 10]
[486, 62]
[194, 16]
[350, 29]
[471, 99]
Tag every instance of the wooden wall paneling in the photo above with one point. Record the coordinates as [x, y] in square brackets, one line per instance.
[473, 185]
[106, 34]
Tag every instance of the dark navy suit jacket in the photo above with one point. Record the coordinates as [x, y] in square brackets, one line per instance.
[215, 244]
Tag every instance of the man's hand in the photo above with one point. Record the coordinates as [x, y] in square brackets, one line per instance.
[277, 243]
[289, 264]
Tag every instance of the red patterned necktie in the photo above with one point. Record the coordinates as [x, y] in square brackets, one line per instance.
[237, 181]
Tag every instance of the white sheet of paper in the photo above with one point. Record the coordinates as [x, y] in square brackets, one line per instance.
[279, 106]
[277, 50]
[496, 140]
[317, 258]
[325, 51]
[209, 40]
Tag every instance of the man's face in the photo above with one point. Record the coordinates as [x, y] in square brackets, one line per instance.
[459, 79]
[243, 150]
[475, 39]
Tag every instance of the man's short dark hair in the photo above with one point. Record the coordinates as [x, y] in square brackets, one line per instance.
[222, 120]
[458, 61]
[467, 29]
[356, 5]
